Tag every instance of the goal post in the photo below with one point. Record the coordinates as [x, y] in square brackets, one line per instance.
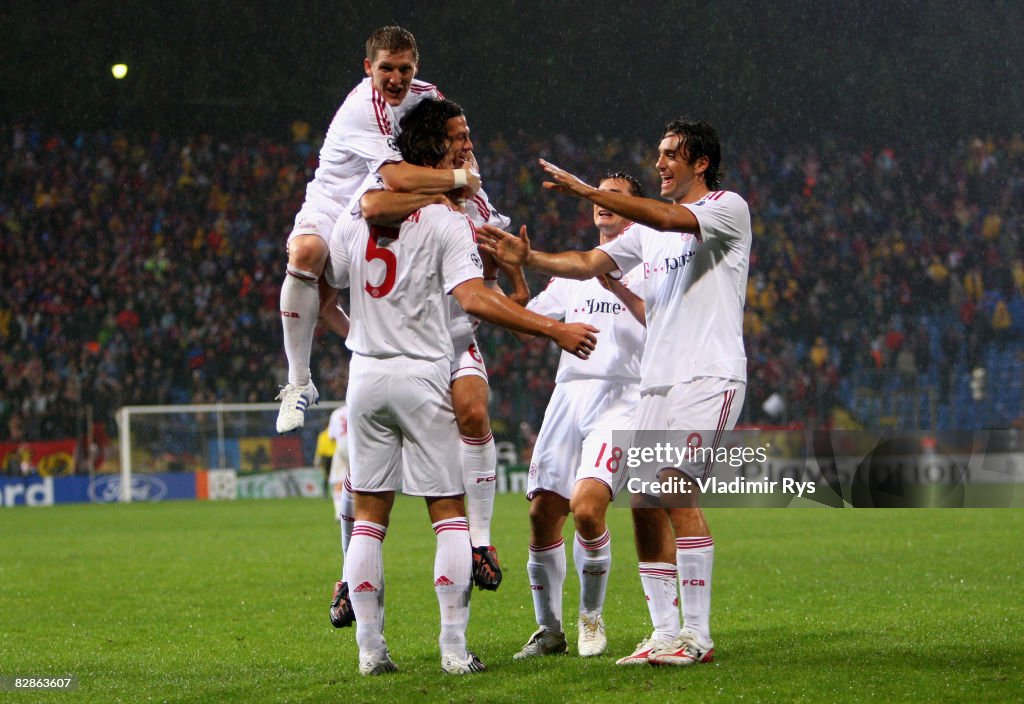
[180, 439]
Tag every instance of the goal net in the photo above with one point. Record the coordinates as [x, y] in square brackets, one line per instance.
[216, 451]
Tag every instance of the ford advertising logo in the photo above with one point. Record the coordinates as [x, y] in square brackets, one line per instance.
[107, 489]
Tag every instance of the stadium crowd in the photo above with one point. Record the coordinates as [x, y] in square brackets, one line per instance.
[145, 269]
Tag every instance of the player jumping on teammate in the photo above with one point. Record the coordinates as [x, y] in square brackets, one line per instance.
[470, 391]
[359, 141]
[469, 385]
[402, 428]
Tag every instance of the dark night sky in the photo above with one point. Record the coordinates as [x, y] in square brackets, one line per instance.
[891, 69]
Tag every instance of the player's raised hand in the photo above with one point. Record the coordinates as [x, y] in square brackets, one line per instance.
[563, 181]
[578, 339]
[473, 183]
[503, 246]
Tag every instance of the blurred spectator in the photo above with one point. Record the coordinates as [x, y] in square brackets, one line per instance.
[145, 268]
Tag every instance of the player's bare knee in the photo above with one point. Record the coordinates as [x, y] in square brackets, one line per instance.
[308, 253]
[688, 521]
[590, 521]
[540, 515]
[446, 507]
[652, 532]
[473, 420]
[374, 507]
[589, 507]
[469, 399]
[547, 515]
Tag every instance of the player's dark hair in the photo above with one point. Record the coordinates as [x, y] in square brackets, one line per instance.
[635, 187]
[698, 139]
[392, 39]
[424, 137]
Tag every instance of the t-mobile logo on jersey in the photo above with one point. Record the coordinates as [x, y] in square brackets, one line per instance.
[593, 305]
[667, 264]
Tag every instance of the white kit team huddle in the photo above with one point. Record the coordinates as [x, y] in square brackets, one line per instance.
[395, 213]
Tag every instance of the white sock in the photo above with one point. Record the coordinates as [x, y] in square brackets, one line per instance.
[453, 567]
[347, 516]
[546, 568]
[593, 560]
[300, 308]
[659, 583]
[365, 568]
[695, 556]
[479, 462]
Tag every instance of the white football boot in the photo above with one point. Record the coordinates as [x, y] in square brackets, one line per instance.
[294, 401]
[592, 640]
[543, 642]
[453, 665]
[686, 649]
[376, 662]
[643, 650]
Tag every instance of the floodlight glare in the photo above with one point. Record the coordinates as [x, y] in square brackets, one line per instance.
[119, 70]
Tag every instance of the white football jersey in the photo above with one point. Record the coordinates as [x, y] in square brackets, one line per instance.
[696, 286]
[359, 141]
[617, 356]
[399, 280]
[461, 324]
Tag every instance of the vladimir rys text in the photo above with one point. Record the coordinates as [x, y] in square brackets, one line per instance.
[712, 485]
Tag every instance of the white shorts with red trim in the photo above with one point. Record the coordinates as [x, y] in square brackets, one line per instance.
[575, 440]
[312, 222]
[701, 410]
[401, 427]
[468, 359]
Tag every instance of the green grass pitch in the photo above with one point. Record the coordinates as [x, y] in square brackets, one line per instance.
[225, 602]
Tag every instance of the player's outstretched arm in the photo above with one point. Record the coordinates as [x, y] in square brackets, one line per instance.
[390, 208]
[408, 178]
[520, 289]
[520, 292]
[476, 299]
[667, 217]
[516, 251]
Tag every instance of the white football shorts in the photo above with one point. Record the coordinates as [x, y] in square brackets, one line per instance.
[698, 413]
[312, 222]
[575, 440]
[468, 359]
[402, 431]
